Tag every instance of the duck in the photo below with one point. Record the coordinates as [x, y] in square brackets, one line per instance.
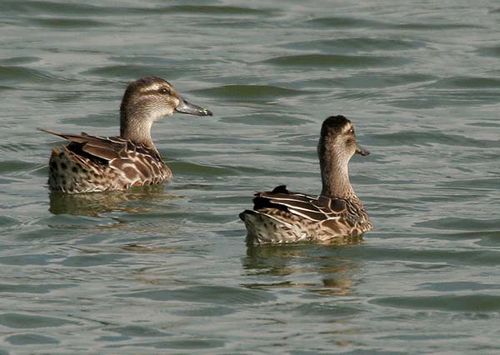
[89, 163]
[281, 216]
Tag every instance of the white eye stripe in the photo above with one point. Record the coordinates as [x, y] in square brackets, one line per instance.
[162, 90]
[155, 87]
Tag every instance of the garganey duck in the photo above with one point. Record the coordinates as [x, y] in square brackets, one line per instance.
[95, 164]
[281, 216]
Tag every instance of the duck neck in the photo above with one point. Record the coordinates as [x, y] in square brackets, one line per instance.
[335, 176]
[136, 128]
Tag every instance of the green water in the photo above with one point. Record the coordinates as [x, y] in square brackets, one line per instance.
[166, 270]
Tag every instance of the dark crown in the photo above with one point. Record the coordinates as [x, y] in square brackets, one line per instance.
[334, 123]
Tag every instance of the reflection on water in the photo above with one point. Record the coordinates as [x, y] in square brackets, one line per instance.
[265, 253]
[94, 204]
[331, 273]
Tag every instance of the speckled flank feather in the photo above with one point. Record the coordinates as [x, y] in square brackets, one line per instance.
[116, 165]
[281, 216]
[94, 164]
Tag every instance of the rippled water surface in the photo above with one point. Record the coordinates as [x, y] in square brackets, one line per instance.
[166, 270]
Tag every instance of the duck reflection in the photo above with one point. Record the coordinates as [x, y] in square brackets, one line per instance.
[94, 204]
[318, 268]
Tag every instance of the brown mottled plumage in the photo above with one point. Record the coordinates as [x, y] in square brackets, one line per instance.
[94, 164]
[281, 216]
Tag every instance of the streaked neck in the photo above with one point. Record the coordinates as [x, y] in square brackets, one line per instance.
[137, 129]
[335, 176]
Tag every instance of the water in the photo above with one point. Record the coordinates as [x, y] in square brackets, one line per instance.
[166, 270]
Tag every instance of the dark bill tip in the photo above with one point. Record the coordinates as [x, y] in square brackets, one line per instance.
[362, 151]
[192, 109]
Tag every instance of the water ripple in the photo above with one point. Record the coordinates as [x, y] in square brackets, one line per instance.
[32, 288]
[352, 22]
[68, 23]
[16, 74]
[348, 61]
[250, 92]
[30, 339]
[128, 71]
[457, 286]
[454, 223]
[46, 7]
[28, 321]
[452, 303]
[205, 294]
[467, 82]
[345, 22]
[372, 80]
[493, 51]
[430, 138]
[19, 60]
[357, 44]
[217, 10]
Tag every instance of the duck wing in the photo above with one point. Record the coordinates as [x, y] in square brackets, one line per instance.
[316, 209]
[95, 148]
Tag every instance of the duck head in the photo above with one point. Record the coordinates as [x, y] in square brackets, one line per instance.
[145, 101]
[337, 144]
[338, 137]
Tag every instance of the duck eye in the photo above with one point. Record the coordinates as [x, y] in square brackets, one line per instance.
[164, 91]
[351, 131]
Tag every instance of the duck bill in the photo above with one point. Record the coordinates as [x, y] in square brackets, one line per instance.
[192, 109]
[362, 151]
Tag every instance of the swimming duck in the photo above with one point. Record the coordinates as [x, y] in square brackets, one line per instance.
[281, 216]
[95, 164]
